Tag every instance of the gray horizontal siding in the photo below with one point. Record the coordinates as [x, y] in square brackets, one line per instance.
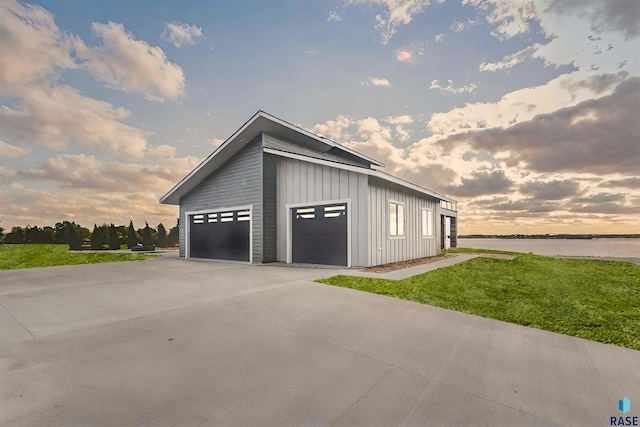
[303, 182]
[237, 183]
[386, 249]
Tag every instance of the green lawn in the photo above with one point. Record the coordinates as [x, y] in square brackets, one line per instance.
[596, 300]
[41, 255]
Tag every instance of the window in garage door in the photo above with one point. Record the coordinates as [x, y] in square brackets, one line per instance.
[319, 234]
[220, 235]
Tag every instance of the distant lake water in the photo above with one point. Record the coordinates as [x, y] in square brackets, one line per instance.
[602, 248]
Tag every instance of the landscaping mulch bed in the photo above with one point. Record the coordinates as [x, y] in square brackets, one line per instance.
[488, 255]
[385, 268]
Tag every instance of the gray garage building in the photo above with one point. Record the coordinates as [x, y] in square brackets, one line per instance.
[276, 192]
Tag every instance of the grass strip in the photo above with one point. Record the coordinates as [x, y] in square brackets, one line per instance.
[16, 256]
[592, 299]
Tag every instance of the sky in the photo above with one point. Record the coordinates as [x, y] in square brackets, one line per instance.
[525, 111]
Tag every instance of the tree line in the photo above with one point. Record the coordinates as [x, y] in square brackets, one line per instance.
[102, 237]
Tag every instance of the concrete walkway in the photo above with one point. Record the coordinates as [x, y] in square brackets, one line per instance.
[170, 342]
[419, 269]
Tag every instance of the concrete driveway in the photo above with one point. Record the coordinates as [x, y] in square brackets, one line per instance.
[168, 342]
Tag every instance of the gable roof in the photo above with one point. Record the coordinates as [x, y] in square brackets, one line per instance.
[308, 146]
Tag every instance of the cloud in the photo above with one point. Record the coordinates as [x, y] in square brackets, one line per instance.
[529, 206]
[403, 55]
[400, 121]
[550, 190]
[131, 65]
[395, 13]
[515, 107]
[511, 60]
[438, 38]
[369, 136]
[509, 18]
[31, 206]
[43, 112]
[8, 150]
[162, 150]
[376, 81]
[333, 17]
[605, 15]
[32, 47]
[600, 198]
[433, 176]
[633, 182]
[482, 183]
[607, 208]
[594, 136]
[459, 26]
[334, 129]
[52, 116]
[422, 163]
[6, 172]
[435, 84]
[96, 191]
[598, 83]
[86, 172]
[604, 203]
[181, 34]
[403, 119]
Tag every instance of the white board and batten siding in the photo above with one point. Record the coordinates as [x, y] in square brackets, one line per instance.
[300, 182]
[384, 248]
[237, 183]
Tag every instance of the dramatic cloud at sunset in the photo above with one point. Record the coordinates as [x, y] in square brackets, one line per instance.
[526, 111]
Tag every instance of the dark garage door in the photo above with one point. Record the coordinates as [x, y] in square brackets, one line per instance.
[319, 234]
[220, 235]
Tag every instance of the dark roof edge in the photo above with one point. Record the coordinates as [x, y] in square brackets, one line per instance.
[319, 138]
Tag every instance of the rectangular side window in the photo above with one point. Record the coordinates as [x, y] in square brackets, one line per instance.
[396, 219]
[427, 223]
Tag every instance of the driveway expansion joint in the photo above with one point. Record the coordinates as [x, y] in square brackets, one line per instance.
[19, 322]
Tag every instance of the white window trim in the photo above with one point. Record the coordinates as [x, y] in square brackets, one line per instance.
[424, 233]
[404, 220]
[187, 232]
[289, 208]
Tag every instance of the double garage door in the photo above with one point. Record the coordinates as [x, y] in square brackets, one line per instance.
[220, 235]
[318, 235]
